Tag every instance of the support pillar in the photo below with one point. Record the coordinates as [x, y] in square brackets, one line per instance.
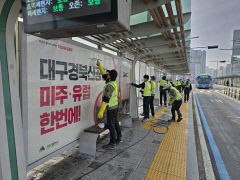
[133, 94]
[12, 157]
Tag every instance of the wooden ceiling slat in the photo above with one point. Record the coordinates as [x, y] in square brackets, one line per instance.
[155, 18]
[162, 15]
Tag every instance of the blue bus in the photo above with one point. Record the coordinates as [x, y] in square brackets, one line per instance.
[204, 81]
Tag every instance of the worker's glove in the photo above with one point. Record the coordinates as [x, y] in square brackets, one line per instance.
[98, 63]
[102, 109]
[100, 68]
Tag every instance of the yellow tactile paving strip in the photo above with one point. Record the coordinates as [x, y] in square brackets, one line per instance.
[169, 163]
[148, 124]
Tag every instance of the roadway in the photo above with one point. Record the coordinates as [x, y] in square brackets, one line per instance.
[223, 117]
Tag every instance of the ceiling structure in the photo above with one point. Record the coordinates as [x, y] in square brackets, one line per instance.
[158, 34]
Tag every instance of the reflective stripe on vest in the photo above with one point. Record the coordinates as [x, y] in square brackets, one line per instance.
[153, 87]
[147, 89]
[114, 98]
[179, 96]
[162, 82]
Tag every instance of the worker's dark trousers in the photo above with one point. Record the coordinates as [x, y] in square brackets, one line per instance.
[183, 87]
[176, 107]
[152, 105]
[146, 101]
[113, 125]
[163, 93]
[186, 94]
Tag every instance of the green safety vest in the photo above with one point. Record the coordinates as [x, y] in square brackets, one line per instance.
[188, 85]
[174, 84]
[162, 82]
[183, 83]
[153, 87]
[179, 96]
[178, 83]
[114, 98]
[147, 89]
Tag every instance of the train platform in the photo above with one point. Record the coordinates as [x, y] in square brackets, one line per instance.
[155, 149]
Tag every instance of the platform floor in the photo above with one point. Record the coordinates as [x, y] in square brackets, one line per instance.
[143, 154]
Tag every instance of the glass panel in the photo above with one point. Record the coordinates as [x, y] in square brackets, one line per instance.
[80, 40]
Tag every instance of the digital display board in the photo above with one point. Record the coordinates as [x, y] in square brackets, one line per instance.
[52, 19]
[41, 11]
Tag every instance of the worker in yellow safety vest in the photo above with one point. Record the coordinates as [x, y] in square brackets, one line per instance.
[187, 90]
[175, 101]
[179, 86]
[153, 92]
[163, 93]
[146, 90]
[110, 101]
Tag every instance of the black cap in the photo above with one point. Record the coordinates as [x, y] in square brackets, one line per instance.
[164, 77]
[146, 76]
[113, 73]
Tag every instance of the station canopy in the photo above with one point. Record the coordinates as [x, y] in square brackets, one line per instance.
[159, 34]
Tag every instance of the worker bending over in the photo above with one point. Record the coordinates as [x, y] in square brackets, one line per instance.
[163, 93]
[187, 90]
[110, 101]
[175, 101]
[153, 92]
[146, 93]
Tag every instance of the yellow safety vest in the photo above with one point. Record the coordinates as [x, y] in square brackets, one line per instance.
[179, 96]
[162, 82]
[188, 85]
[178, 83]
[147, 89]
[114, 98]
[153, 87]
[175, 84]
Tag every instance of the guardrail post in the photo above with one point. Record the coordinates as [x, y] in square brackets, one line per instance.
[228, 91]
[235, 94]
[239, 94]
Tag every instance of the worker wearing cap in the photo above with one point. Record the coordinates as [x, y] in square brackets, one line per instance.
[153, 92]
[163, 93]
[146, 93]
[187, 90]
[179, 85]
[110, 101]
[183, 85]
[175, 100]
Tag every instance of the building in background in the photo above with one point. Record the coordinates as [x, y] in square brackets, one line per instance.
[198, 62]
[211, 71]
[236, 53]
[228, 70]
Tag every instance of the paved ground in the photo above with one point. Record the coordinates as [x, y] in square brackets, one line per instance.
[223, 117]
[131, 164]
[143, 154]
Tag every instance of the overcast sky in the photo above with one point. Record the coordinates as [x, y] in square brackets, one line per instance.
[214, 21]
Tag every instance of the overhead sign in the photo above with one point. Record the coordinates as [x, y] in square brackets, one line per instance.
[69, 18]
[64, 89]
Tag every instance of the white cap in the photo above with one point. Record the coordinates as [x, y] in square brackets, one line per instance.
[166, 86]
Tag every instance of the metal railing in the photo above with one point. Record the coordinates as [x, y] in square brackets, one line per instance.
[232, 92]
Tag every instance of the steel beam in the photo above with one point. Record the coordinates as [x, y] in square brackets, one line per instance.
[139, 6]
[146, 29]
